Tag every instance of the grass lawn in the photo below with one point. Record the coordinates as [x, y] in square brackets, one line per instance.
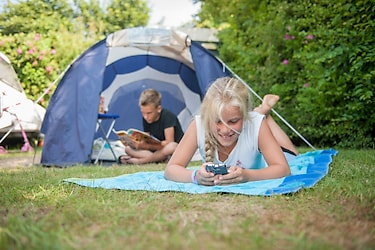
[39, 211]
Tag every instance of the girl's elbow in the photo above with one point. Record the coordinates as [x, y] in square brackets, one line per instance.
[167, 174]
[170, 172]
[287, 171]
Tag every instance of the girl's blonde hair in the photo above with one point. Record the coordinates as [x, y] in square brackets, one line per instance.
[223, 91]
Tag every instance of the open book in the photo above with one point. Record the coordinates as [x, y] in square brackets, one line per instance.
[137, 135]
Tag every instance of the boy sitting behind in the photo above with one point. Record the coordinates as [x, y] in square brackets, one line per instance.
[159, 122]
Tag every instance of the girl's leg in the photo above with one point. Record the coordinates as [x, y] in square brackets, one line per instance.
[281, 137]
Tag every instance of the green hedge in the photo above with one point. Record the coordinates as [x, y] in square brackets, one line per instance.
[319, 56]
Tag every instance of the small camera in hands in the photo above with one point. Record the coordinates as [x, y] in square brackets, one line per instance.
[217, 168]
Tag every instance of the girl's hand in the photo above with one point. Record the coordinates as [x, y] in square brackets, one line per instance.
[205, 178]
[235, 175]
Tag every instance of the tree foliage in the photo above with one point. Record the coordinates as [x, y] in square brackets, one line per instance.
[126, 14]
[40, 16]
[317, 55]
[90, 14]
[42, 37]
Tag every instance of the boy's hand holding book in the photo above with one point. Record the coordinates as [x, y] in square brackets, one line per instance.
[136, 139]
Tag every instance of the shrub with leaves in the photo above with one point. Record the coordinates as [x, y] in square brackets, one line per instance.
[333, 67]
[42, 37]
[34, 59]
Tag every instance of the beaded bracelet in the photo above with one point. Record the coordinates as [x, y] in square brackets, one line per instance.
[194, 177]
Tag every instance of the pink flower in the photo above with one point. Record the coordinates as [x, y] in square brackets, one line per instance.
[35, 63]
[37, 37]
[53, 51]
[285, 61]
[40, 58]
[289, 37]
[19, 51]
[310, 37]
[2, 42]
[31, 51]
[49, 69]
[306, 85]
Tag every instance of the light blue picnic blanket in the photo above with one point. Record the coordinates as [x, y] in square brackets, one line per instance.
[307, 169]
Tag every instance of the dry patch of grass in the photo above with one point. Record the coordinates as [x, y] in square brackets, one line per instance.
[39, 211]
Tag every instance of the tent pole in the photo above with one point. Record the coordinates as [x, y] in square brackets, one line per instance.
[277, 114]
[54, 82]
[294, 130]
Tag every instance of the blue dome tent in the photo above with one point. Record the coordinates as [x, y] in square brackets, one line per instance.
[119, 68]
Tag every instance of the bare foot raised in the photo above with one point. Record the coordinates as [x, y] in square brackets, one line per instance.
[267, 104]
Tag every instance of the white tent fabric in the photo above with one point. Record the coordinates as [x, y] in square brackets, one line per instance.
[17, 112]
